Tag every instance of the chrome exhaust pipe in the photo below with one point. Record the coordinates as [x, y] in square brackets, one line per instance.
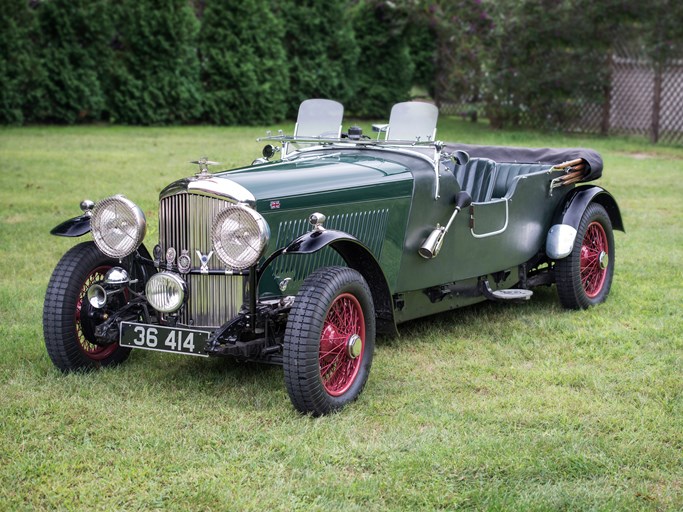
[432, 245]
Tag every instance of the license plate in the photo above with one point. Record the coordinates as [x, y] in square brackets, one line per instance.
[164, 339]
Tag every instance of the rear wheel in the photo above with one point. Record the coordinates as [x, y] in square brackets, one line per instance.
[584, 278]
[329, 341]
[68, 319]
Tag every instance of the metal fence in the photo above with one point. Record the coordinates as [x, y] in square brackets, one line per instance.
[644, 98]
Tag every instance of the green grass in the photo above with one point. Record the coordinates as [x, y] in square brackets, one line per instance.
[493, 407]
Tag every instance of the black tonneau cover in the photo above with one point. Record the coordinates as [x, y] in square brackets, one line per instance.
[551, 156]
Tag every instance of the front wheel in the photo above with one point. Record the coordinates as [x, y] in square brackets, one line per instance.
[329, 341]
[68, 319]
[585, 276]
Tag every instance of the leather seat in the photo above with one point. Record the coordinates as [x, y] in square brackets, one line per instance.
[507, 172]
[477, 178]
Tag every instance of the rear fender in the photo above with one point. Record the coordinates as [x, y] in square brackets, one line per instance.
[562, 234]
[357, 257]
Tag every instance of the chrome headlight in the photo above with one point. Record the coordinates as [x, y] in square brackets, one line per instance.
[239, 236]
[166, 292]
[118, 226]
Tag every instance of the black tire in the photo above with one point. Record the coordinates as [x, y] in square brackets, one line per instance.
[324, 331]
[584, 278]
[67, 326]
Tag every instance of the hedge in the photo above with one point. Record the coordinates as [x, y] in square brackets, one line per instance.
[252, 62]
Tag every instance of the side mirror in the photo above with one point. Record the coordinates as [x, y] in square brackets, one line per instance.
[460, 157]
[269, 150]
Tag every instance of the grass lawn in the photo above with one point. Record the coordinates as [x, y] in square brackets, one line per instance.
[493, 407]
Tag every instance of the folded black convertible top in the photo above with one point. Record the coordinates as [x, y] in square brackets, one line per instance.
[551, 156]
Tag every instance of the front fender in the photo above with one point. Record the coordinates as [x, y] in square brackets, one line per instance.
[357, 257]
[562, 234]
[316, 240]
[78, 226]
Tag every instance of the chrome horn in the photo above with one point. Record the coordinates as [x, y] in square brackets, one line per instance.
[97, 296]
[114, 281]
[432, 245]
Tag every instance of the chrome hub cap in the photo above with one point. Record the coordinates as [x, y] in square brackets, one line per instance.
[354, 346]
[603, 260]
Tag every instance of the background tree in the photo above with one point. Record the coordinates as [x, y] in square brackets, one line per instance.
[385, 68]
[321, 51]
[244, 68]
[461, 31]
[21, 73]
[154, 74]
[73, 38]
[421, 37]
[545, 55]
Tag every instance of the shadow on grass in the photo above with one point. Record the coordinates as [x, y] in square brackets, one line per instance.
[191, 379]
[477, 317]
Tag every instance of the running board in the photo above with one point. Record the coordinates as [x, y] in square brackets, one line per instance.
[510, 294]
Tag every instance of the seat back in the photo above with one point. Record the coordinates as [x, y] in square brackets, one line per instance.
[319, 118]
[412, 119]
[477, 178]
[507, 172]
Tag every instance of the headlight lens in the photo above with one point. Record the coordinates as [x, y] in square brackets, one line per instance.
[118, 226]
[165, 292]
[240, 235]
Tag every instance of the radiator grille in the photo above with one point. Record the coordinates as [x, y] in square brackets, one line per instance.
[185, 222]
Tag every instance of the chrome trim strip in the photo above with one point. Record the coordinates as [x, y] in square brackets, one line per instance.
[217, 188]
[501, 230]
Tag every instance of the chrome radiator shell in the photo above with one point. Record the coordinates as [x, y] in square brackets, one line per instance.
[185, 222]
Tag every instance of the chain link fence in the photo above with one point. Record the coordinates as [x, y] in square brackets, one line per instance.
[644, 98]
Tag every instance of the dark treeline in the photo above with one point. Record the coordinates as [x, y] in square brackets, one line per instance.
[253, 61]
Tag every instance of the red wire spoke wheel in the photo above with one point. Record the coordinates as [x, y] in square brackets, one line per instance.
[594, 259]
[584, 278]
[68, 319]
[85, 325]
[341, 344]
[329, 341]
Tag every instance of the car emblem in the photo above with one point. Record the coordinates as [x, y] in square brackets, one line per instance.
[204, 261]
[170, 257]
[274, 205]
[184, 262]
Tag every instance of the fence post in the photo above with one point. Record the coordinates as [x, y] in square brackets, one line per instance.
[607, 97]
[656, 101]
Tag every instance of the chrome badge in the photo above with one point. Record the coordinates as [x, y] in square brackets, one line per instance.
[184, 262]
[170, 257]
[204, 261]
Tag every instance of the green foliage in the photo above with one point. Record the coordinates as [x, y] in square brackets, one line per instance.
[385, 68]
[244, 67]
[541, 56]
[154, 76]
[321, 51]
[20, 70]
[145, 62]
[462, 30]
[421, 36]
[73, 37]
[661, 29]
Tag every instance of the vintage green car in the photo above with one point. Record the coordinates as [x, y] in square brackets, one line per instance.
[302, 260]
